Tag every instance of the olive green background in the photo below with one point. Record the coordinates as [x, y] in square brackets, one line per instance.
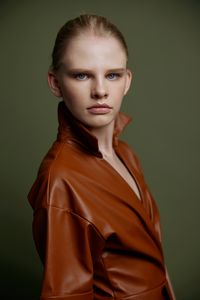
[164, 44]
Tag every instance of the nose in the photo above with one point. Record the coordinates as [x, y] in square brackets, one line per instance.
[99, 89]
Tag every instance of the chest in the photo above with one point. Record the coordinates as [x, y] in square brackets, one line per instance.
[108, 194]
[107, 188]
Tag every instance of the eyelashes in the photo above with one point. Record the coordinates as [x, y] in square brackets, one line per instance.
[85, 76]
[113, 76]
[80, 76]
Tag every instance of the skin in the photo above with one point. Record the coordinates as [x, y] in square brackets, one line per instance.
[93, 70]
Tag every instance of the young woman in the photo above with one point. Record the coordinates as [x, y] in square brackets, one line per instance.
[96, 225]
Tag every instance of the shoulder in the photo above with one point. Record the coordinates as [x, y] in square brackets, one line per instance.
[59, 155]
[52, 185]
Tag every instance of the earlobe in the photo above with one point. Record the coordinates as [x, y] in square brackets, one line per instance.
[53, 84]
[129, 77]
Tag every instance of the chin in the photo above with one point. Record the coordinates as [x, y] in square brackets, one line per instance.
[96, 120]
[99, 122]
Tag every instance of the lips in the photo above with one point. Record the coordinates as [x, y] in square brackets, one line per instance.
[99, 109]
[97, 105]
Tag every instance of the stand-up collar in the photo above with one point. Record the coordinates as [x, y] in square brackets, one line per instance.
[71, 129]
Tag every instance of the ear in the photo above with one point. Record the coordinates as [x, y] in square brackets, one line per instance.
[128, 81]
[54, 84]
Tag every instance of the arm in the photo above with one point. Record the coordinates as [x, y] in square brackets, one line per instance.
[63, 241]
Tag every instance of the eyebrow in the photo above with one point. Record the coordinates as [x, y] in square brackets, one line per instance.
[81, 70]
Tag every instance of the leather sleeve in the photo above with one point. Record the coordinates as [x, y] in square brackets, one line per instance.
[64, 242]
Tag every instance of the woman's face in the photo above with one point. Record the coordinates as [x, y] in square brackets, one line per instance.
[92, 79]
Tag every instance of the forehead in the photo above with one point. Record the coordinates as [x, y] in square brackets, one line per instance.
[90, 51]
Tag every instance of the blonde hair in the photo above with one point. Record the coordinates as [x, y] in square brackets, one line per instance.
[98, 25]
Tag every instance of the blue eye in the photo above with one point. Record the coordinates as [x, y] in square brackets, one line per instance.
[112, 76]
[81, 76]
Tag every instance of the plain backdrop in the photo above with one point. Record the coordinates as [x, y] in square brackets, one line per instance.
[164, 46]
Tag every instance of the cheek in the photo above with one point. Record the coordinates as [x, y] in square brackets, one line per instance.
[118, 93]
[71, 92]
[119, 88]
[74, 90]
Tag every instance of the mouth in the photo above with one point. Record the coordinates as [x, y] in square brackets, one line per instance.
[99, 109]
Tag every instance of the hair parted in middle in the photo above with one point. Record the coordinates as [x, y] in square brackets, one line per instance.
[97, 25]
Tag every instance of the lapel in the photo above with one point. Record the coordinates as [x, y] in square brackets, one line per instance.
[142, 207]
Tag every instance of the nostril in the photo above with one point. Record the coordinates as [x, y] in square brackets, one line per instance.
[99, 94]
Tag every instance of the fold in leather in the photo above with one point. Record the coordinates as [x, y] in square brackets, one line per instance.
[90, 229]
[157, 293]
[85, 296]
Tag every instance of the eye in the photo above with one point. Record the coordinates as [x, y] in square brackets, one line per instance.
[81, 76]
[113, 76]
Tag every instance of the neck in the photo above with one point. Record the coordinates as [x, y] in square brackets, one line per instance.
[104, 136]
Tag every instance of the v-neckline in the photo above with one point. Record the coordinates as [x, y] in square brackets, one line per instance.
[140, 200]
[139, 205]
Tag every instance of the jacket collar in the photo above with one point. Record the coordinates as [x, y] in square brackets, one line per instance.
[72, 130]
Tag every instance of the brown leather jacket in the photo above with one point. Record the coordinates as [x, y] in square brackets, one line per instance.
[96, 239]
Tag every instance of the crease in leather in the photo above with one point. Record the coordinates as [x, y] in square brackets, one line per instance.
[79, 216]
[82, 296]
[145, 295]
